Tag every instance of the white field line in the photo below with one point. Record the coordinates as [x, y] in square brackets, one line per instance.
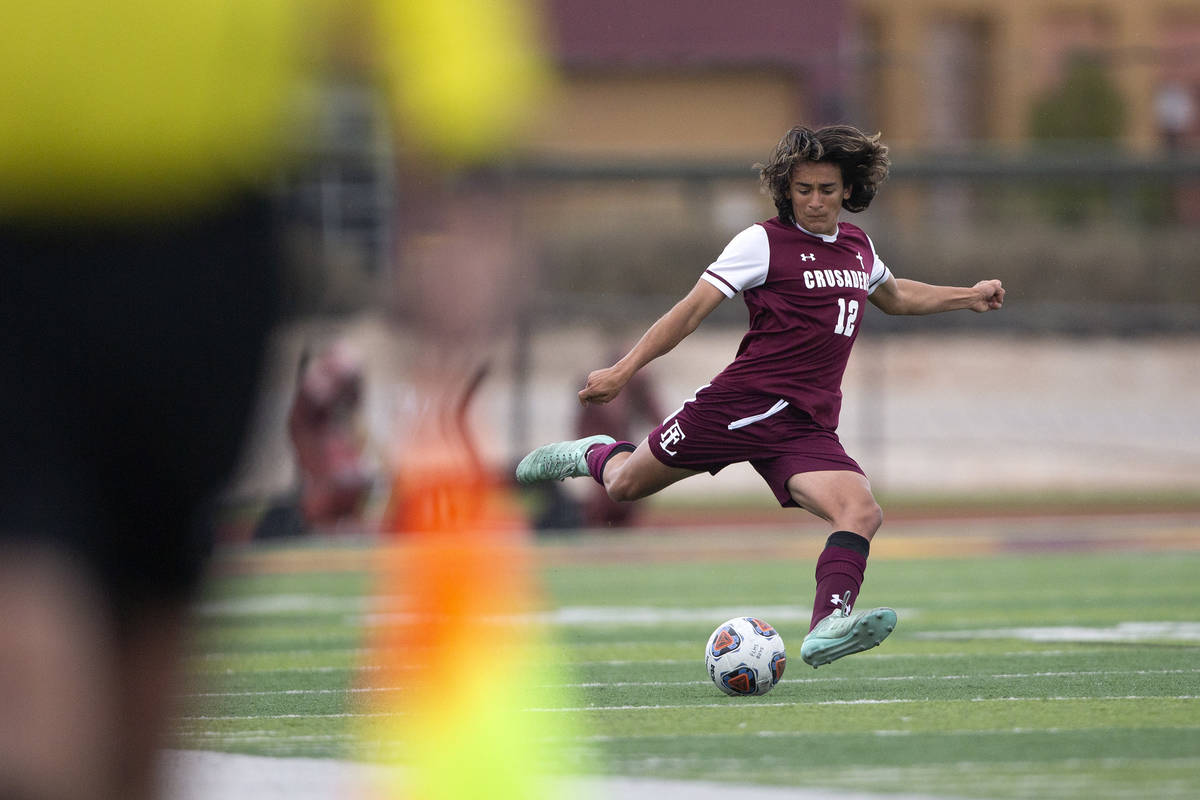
[1121, 632]
[373, 611]
[867, 702]
[269, 604]
[630, 616]
[246, 737]
[660, 684]
[361, 608]
[200, 775]
[358, 610]
[290, 670]
[615, 662]
[361, 652]
[285, 692]
[231, 737]
[622, 662]
[353, 652]
[883, 732]
[576, 709]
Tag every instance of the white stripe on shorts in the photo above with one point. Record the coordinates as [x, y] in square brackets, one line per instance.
[744, 421]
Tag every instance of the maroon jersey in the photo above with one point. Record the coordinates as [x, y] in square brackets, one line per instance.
[806, 294]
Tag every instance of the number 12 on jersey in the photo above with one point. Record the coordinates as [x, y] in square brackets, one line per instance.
[847, 316]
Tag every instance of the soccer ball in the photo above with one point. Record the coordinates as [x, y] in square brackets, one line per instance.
[745, 656]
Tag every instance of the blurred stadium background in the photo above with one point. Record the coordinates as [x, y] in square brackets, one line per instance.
[1054, 146]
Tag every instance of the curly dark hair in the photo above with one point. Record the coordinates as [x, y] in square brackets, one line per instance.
[862, 159]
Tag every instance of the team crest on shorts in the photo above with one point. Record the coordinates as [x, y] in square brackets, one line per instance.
[671, 437]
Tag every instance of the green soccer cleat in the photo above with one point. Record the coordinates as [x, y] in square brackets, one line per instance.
[555, 462]
[842, 634]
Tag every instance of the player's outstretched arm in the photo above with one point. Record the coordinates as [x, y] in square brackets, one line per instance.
[670, 329]
[903, 296]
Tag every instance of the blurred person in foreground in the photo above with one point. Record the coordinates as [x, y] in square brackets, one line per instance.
[805, 277]
[140, 269]
[140, 282]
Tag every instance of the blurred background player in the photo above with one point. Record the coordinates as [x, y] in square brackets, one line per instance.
[635, 408]
[326, 431]
[805, 277]
[558, 510]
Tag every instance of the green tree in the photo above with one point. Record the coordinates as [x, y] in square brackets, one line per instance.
[1086, 106]
[1086, 110]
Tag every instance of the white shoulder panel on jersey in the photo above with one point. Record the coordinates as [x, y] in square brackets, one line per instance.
[879, 270]
[743, 263]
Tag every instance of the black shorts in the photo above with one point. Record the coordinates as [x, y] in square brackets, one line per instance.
[130, 359]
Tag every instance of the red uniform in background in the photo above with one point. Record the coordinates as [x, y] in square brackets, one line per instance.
[324, 429]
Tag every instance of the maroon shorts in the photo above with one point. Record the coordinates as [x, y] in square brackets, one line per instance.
[719, 427]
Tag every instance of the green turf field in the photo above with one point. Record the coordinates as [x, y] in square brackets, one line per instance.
[1056, 674]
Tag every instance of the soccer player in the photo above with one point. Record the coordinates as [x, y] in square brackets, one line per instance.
[805, 276]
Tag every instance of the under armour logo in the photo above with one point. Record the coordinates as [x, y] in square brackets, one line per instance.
[811, 257]
[842, 601]
[671, 436]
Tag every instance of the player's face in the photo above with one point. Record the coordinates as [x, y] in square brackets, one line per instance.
[817, 193]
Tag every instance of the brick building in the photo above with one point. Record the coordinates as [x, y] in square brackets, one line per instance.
[704, 79]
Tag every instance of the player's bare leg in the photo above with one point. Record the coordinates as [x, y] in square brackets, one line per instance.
[59, 711]
[844, 499]
[633, 475]
[841, 498]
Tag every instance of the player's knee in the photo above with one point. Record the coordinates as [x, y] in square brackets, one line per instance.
[862, 517]
[623, 489]
[868, 516]
[624, 485]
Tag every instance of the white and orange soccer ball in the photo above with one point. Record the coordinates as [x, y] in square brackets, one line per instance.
[745, 656]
